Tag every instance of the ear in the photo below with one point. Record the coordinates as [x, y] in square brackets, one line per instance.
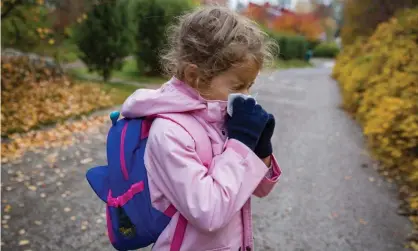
[191, 75]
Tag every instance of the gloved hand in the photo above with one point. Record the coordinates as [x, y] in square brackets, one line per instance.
[264, 147]
[247, 121]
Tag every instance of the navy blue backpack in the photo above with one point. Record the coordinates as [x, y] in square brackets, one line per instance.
[132, 221]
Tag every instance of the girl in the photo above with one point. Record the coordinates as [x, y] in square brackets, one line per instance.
[213, 52]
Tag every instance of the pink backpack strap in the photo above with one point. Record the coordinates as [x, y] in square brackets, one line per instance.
[196, 131]
[203, 149]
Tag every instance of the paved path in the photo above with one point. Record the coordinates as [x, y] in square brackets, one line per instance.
[329, 198]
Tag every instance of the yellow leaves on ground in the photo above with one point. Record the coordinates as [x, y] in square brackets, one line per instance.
[379, 84]
[64, 134]
[36, 94]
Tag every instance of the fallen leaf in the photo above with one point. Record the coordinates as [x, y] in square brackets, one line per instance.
[86, 161]
[371, 179]
[99, 220]
[73, 218]
[51, 158]
[37, 222]
[362, 221]
[67, 209]
[22, 231]
[6, 217]
[32, 188]
[23, 242]
[43, 195]
[7, 208]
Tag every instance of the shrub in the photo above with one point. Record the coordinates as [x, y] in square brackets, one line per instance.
[361, 17]
[153, 18]
[313, 43]
[326, 50]
[290, 47]
[105, 37]
[379, 83]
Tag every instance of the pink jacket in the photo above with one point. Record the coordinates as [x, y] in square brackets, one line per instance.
[215, 200]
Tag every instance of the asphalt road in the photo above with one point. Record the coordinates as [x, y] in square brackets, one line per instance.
[329, 198]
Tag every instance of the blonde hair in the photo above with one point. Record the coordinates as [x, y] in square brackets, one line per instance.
[214, 38]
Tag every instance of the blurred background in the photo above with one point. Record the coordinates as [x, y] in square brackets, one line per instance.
[66, 63]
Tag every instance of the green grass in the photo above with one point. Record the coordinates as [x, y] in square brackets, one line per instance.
[129, 72]
[67, 52]
[118, 91]
[293, 63]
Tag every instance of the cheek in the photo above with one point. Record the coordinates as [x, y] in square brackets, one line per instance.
[219, 90]
[222, 93]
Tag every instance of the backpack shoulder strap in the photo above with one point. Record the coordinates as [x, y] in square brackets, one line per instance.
[203, 149]
[196, 131]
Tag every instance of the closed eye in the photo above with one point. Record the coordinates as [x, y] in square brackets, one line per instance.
[243, 86]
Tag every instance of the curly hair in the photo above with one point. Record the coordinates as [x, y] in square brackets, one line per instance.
[214, 38]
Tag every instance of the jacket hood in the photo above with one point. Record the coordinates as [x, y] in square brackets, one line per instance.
[174, 96]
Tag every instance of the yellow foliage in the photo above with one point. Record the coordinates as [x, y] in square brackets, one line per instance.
[378, 77]
[34, 94]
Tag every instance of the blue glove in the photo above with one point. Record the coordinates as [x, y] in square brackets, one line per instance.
[264, 147]
[247, 121]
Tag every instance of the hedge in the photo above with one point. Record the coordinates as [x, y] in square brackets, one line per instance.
[290, 47]
[326, 50]
[379, 84]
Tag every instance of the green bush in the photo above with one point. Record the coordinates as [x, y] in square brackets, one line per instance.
[290, 47]
[105, 37]
[326, 50]
[153, 17]
[313, 43]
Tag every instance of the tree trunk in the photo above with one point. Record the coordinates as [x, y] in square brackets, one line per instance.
[106, 74]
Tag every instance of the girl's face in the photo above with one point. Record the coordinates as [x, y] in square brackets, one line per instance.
[238, 79]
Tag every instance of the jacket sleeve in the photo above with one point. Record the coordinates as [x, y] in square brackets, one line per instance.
[269, 181]
[207, 198]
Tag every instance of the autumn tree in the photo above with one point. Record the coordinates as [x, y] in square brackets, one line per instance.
[299, 24]
[24, 24]
[105, 37]
[361, 17]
